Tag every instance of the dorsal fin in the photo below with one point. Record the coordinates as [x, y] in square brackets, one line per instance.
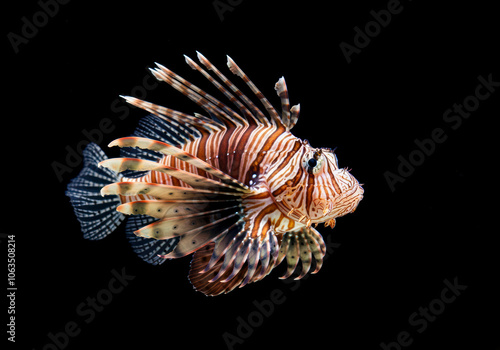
[282, 92]
[235, 69]
[210, 104]
[221, 116]
[191, 123]
[253, 115]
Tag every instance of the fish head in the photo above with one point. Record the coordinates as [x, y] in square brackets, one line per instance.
[314, 189]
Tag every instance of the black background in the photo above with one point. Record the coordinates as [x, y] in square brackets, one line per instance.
[394, 252]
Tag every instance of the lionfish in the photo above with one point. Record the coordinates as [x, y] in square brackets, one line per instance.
[234, 187]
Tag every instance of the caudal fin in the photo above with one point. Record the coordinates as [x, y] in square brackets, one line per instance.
[97, 215]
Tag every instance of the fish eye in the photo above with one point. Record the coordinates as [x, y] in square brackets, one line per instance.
[313, 162]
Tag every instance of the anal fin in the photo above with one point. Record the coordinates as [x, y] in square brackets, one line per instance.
[201, 280]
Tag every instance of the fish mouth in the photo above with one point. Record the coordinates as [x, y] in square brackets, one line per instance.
[342, 205]
[355, 198]
[326, 210]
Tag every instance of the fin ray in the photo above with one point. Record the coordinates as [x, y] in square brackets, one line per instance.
[196, 181]
[185, 225]
[147, 249]
[191, 123]
[167, 149]
[127, 188]
[97, 216]
[235, 69]
[282, 92]
[193, 240]
[256, 116]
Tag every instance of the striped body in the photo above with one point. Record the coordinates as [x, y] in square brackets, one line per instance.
[236, 188]
[241, 158]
